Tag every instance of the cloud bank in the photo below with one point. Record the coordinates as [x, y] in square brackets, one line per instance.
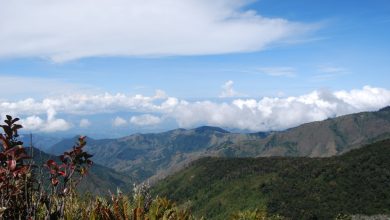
[264, 114]
[70, 29]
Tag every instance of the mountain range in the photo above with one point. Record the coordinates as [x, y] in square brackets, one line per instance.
[154, 156]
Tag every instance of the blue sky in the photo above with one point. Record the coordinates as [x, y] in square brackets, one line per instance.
[194, 51]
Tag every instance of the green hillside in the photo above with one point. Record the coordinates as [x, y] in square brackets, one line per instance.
[298, 188]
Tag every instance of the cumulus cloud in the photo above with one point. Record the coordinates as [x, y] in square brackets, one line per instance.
[32, 123]
[118, 122]
[145, 119]
[368, 98]
[227, 90]
[84, 123]
[267, 113]
[71, 29]
[52, 124]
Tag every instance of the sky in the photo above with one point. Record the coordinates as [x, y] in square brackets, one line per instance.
[109, 68]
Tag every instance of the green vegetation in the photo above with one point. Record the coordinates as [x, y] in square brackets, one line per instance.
[298, 188]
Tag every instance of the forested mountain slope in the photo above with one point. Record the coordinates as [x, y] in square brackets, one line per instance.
[295, 187]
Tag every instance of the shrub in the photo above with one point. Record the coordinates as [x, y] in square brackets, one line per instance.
[23, 194]
[16, 181]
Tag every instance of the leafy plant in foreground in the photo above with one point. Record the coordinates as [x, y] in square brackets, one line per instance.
[23, 194]
[15, 173]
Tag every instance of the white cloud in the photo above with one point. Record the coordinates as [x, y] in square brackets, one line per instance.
[71, 29]
[145, 119]
[87, 104]
[267, 113]
[84, 123]
[368, 98]
[32, 123]
[56, 125]
[52, 124]
[227, 90]
[118, 122]
[278, 71]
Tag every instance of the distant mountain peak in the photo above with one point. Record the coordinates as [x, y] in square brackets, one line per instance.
[385, 109]
[203, 129]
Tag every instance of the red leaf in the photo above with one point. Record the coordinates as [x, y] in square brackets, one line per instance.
[51, 164]
[62, 173]
[14, 151]
[11, 164]
[22, 155]
[22, 170]
[4, 141]
[54, 181]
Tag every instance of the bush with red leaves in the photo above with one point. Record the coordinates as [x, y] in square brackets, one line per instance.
[20, 193]
[15, 173]
[73, 161]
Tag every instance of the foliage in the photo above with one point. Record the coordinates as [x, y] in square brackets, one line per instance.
[23, 192]
[15, 173]
[297, 188]
[122, 207]
[255, 215]
[64, 178]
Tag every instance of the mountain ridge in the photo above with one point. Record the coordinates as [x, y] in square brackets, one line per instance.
[156, 155]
